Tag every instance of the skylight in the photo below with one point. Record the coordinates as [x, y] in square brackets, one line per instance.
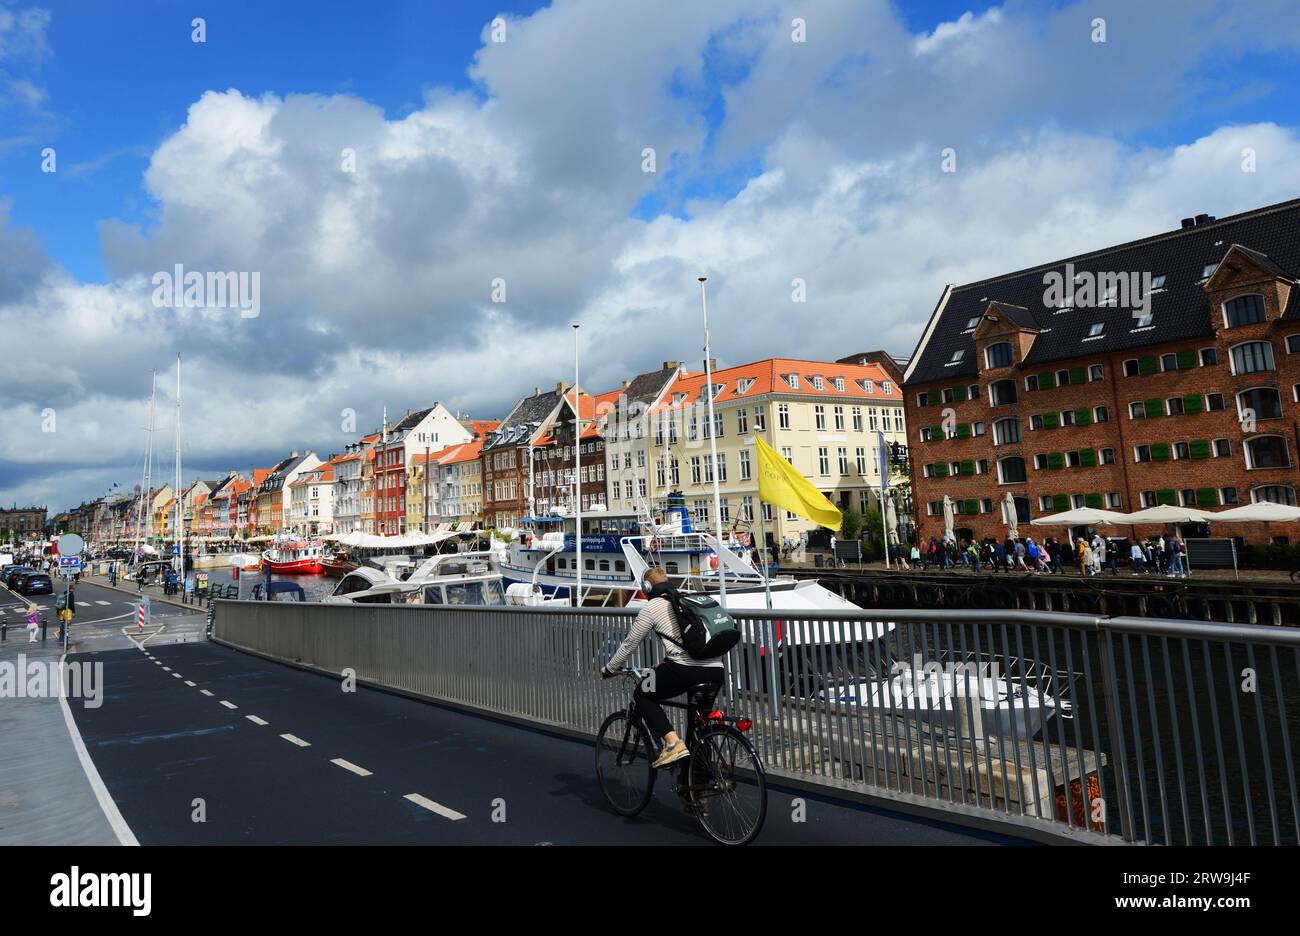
[1158, 282]
[1096, 329]
[1144, 320]
[957, 355]
[1209, 270]
[972, 323]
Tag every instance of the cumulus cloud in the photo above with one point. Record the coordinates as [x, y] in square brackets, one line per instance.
[377, 283]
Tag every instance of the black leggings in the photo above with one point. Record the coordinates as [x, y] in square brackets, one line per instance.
[672, 679]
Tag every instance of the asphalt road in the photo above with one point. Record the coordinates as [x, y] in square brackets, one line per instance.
[268, 754]
[101, 615]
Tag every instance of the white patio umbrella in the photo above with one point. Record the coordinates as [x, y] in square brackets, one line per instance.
[1009, 515]
[891, 519]
[1168, 513]
[1260, 512]
[1081, 516]
[948, 533]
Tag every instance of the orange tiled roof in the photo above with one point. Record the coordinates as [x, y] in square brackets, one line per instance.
[773, 376]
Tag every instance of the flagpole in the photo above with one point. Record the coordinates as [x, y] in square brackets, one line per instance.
[762, 534]
[713, 447]
[577, 468]
[884, 482]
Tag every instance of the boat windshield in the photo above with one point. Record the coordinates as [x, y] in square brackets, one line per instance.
[487, 592]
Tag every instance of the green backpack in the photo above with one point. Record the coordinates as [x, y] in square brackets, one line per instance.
[708, 631]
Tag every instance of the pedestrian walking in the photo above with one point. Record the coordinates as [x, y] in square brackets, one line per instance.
[1135, 558]
[33, 622]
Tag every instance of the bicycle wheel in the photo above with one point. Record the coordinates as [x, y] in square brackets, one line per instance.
[623, 760]
[727, 785]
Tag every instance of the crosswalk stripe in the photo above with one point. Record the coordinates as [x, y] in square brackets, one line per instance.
[294, 739]
[206, 692]
[256, 721]
[229, 705]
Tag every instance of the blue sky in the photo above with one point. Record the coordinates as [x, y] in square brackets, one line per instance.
[522, 161]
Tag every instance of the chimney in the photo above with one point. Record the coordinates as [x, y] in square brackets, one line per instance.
[1188, 222]
[626, 384]
[1203, 219]
[537, 391]
[293, 454]
[671, 365]
[559, 387]
[713, 364]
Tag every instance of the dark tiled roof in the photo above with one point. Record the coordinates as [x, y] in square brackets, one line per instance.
[645, 388]
[517, 425]
[1180, 311]
[410, 420]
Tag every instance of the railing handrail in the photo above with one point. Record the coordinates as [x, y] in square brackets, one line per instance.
[1276, 635]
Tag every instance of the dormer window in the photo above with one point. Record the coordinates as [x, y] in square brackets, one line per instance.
[869, 386]
[1244, 310]
[743, 385]
[818, 383]
[793, 381]
[998, 355]
[679, 398]
[839, 384]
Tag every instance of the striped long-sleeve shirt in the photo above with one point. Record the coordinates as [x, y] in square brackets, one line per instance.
[658, 616]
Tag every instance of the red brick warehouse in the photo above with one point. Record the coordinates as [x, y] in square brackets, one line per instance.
[1107, 395]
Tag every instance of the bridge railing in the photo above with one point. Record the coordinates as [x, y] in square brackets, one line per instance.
[1054, 725]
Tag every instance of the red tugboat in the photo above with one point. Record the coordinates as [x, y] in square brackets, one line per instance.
[295, 558]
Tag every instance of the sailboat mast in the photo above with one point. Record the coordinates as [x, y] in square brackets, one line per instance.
[142, 512]
[180, 512]
[713, 448]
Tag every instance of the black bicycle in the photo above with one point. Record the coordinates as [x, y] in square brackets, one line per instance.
[721, 783]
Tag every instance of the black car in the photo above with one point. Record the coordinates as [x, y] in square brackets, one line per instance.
[35, 583]
[11, 573]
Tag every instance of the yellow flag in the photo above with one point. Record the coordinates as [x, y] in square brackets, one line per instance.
[780, 484]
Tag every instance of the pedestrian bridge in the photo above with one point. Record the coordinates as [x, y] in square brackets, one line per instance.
[1047, 726]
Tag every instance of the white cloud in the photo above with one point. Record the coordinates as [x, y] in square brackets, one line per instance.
[376, 284]
[964, 26]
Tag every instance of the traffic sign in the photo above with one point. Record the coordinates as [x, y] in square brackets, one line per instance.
[176, 549]
[70, 565]
[71, 544]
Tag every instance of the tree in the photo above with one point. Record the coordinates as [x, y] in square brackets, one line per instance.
[851, 524]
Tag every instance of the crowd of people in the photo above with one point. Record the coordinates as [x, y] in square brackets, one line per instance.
[1086, 556]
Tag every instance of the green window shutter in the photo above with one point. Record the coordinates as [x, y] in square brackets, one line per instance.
[932, 398]
[1088, 458]
[1155, 407]
[963, 430]
[1083, 416]
[959, 394]
[1060, 502]
[1055, 460]
[1193, 403]
[972, 505]
[1046, 380]
[1092, 500]
[1147, 366]
[1165, 496]
[1186, 359]
[941, 469]
[1199, 448]
[1078, 376]
[1051, 421]
[1160, 451]
[937, 434]
[967, 466]
[1207, 497]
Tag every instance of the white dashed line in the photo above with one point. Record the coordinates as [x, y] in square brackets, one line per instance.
[294, 739]
[230, 705]
[430, 805]
[176, 675]
[167, 669]
[255, 720]
[103, 603]
[348, 765]
[188, 683]
[205, 692]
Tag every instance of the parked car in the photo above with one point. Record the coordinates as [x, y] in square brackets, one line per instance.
[10, 573]
[37, 583]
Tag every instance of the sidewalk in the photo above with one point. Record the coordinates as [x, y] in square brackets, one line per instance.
[153, 591]
[45, 796]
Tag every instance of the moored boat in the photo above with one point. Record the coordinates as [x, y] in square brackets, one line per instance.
[295, 558]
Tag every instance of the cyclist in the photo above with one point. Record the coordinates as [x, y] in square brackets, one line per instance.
[676, 674]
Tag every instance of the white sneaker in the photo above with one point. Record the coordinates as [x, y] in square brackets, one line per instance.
[671, 755]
